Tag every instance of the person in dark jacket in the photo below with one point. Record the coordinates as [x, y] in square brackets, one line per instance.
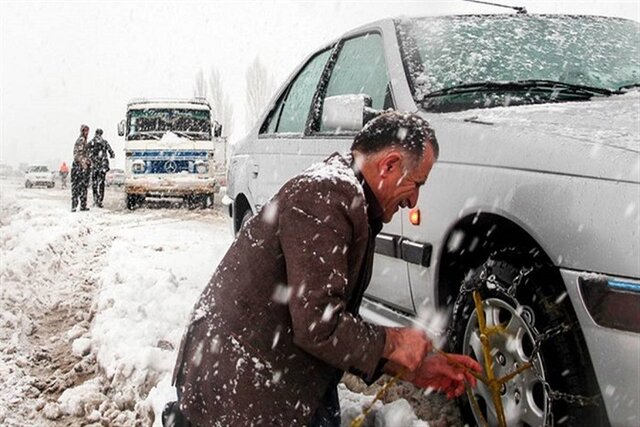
[99, 149]
[278, 324]
[80, 171]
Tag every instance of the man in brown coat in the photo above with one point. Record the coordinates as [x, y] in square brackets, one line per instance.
[278, 323]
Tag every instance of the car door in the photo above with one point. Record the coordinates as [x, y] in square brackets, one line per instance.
[277, 153]
[360, 67]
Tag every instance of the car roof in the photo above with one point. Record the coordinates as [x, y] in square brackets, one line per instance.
[391, 20]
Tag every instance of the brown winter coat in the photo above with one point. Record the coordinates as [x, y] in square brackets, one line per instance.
[279, 318]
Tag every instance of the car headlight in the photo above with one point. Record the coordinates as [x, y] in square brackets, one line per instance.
[138, 166]
[201, 167]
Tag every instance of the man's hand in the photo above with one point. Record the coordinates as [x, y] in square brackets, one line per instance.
[405, 348]
[446, 373]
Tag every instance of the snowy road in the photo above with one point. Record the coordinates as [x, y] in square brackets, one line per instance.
[107, 286]
[93, 305]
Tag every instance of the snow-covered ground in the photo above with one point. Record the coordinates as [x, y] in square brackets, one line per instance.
[93, 306]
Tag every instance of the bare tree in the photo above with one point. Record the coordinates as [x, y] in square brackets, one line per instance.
[260, 88]
[211, 89]
[200, 87]
[221, 107]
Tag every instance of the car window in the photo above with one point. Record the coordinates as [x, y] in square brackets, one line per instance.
[361, 68]
[290, 114]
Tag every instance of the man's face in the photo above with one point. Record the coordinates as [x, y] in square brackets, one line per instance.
[400, 179]
[85, 132]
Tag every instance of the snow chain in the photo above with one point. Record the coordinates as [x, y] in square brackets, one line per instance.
[359, 420]
[485, 331]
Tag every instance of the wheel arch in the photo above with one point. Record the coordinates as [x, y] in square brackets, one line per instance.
[471, 240]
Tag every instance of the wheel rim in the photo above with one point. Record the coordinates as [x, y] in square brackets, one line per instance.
[524, 398]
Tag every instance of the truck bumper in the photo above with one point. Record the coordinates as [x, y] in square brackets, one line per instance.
[170, 186]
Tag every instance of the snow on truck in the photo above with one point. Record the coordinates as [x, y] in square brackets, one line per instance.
[169, 151]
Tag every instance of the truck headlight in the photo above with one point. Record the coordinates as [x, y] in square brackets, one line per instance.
[201, 167]
[138, 166]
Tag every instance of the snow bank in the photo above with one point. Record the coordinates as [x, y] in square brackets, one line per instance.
[154, 273]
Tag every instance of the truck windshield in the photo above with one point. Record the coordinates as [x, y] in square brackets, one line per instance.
[153, 123]
[474, 61]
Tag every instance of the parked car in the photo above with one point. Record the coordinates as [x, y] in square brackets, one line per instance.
[114, 177]
[38, 175]
[531, 214]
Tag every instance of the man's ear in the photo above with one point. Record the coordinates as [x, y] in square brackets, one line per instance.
[389, 163]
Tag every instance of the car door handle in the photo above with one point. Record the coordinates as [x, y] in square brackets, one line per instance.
[255, 171]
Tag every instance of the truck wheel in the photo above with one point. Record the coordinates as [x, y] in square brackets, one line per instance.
[132, 201]
[526, 297]
[190, 201]
[207, 200]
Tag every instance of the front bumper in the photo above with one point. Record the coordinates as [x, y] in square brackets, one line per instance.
[40, 182]
[615, 355]
[170, 186]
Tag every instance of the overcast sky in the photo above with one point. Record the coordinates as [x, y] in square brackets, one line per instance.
[67, 63]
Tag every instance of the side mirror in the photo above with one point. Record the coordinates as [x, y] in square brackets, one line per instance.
[121, 127]
[217, 129]
[347, 113]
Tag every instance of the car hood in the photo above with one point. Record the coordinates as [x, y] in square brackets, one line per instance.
[596, 139]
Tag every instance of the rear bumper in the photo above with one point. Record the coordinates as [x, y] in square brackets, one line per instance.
[615, 357]
[170, 186]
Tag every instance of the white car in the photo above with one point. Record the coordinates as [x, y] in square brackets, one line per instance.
[38, 175]
[115, 177]
[530, 235]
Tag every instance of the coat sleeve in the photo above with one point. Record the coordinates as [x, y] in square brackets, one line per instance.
[316, 233]
[111, 153]
[77, 150]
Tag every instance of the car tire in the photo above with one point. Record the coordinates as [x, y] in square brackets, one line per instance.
[28, 184]
[526, 294]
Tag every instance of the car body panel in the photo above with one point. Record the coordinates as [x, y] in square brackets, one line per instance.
[619, 350]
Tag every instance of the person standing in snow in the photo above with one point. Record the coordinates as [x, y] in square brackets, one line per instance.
[80, 170]
[278, 325]
[64, 173]
[99, 148]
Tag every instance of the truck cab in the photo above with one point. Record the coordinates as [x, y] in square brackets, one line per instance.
[169, 151]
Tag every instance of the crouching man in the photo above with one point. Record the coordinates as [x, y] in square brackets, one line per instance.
[278, 325]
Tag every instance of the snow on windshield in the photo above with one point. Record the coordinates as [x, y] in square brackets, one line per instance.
[592, 51]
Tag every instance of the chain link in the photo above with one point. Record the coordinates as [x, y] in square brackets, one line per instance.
[554, 395]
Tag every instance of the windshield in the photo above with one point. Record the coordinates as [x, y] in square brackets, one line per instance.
[446, 52]
[153, 123]
[39, 169]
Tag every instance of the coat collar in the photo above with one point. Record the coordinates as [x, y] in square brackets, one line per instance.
[374, 209]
